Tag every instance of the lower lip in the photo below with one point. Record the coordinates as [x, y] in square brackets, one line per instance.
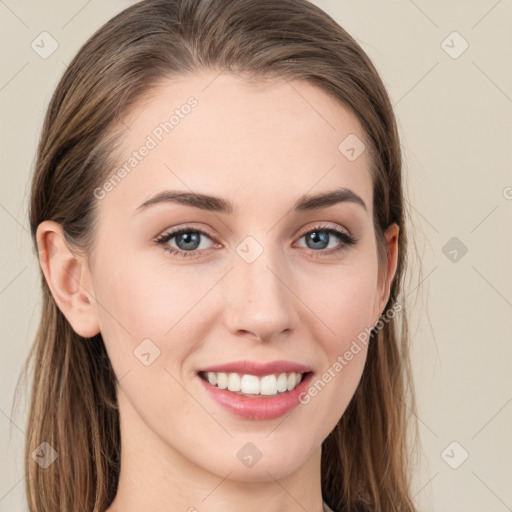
[258, 408]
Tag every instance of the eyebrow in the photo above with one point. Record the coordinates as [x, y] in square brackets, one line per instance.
[217, 204]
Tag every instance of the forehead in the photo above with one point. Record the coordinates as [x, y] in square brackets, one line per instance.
[222, 135]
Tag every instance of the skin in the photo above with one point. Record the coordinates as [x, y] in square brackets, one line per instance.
[260, 146]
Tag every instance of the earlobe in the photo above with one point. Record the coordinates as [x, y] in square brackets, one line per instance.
[68, 278]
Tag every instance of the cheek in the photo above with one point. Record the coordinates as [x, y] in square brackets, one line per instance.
[342, 301]
[129, 310]
[140, 323]
[343, 307]
[139, 301]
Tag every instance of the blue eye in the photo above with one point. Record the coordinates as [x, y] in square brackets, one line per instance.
[321, 236]
[188, 241]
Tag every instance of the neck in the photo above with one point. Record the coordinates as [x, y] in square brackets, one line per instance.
[156, 476]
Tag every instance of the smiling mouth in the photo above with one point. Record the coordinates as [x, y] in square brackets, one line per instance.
[255, 386]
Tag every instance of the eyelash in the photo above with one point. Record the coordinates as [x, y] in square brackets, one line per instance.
[346, 240]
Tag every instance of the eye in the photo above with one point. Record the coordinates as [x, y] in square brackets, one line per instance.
[188, 241]
[321, 236]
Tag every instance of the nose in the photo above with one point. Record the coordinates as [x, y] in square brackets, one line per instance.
[259, 297]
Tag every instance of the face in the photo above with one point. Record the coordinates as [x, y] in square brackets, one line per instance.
[258, 281]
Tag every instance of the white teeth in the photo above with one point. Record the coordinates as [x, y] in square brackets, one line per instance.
[222, 380]
[291, 381]
[234, 383]
[252, 385]
[269, 385]
[282, 383]
[212, 378]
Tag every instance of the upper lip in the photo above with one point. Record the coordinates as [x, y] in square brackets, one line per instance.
[257, 368]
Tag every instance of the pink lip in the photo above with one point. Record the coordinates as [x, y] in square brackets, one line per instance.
[258, 407]
[258, 369]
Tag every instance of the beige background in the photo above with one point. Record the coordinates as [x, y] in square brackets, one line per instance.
[455, 118]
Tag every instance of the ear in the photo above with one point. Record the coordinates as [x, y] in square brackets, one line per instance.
[387, 273]
[68, 278]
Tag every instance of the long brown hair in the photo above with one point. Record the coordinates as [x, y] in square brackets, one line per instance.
[73, 408]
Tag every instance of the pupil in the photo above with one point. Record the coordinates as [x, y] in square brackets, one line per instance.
[319, 237]
[188, 238]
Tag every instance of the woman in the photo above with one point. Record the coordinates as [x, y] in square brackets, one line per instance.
[218, 210]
